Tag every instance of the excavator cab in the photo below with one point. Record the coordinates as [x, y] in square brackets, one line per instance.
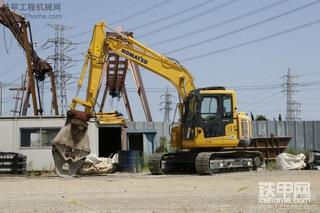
[210, 133]
[210, 111]
[210, 119]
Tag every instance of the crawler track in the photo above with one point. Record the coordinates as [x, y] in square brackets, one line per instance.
[205, 163]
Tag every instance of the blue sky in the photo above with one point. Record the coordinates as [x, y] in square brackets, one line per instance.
[252, 66]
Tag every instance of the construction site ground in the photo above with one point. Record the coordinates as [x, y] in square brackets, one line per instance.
[123, 192]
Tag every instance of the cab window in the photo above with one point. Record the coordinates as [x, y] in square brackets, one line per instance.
[209, 108]
[227, 106]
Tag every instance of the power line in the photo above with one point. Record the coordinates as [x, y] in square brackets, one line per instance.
[238, 88]
[171, 16]
[86, 8]
[11, 68]
[221, 6]
[272, 86]
[245, 27]
[16, 64]
[263, 98]
[110, 11]
[311, 89]
[5, 42]
[309, 24]
[247, 94]
[221, 23]
[148, 9]
[1, 97]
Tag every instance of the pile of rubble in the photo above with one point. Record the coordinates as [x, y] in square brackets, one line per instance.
[94, 165]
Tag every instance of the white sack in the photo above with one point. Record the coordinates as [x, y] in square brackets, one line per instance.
[287, 161]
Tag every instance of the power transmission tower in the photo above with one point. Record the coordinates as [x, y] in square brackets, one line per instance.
[61, 62]
[167, 105]
[292, 107]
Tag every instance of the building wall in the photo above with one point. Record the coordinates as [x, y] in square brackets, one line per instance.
[40, 158]
[152, 132]
[37, 158]
[305, 134]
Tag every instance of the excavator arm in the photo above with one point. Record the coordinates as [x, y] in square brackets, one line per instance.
[96, 60]
[132, 50]
[37, 68]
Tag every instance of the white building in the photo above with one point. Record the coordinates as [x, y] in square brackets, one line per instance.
[32, 136]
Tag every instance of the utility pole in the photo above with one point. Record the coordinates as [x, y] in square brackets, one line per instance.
[167, 105]
[292, 107]
[61, 62]
[1, 98]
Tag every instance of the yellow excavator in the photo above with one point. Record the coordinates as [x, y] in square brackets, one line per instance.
[209, 130]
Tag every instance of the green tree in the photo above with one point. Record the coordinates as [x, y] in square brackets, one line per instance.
[163, 145]
[261, 118]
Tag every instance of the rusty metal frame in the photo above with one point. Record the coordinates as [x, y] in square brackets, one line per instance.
[37, 68]
[116, 72]
[140, 89]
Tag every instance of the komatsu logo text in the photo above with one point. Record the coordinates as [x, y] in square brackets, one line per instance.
[134, 56]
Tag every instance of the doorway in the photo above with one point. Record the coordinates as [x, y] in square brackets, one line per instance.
[136, 142]
[109, 141]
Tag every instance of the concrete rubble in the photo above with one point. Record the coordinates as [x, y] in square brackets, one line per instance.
[99, 165]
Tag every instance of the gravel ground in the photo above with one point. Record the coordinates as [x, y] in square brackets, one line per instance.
[121, 192]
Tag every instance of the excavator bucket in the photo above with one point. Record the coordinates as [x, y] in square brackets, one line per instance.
[71, 145]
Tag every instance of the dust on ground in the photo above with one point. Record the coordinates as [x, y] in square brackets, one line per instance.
[122, 192]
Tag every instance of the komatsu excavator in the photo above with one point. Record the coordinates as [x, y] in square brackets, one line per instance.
[205, 139]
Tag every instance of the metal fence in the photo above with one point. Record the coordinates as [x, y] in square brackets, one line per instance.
[305, 134]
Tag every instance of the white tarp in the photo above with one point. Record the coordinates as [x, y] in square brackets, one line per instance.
[96, 165]
[287, 161]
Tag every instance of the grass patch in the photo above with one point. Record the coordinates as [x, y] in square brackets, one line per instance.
[294, 151]
[272, 165]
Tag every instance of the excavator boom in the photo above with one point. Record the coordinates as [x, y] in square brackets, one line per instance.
[161, 65]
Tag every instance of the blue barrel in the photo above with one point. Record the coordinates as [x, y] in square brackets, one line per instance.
[130, 161]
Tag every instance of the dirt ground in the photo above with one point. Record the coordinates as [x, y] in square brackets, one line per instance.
[122, 192]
